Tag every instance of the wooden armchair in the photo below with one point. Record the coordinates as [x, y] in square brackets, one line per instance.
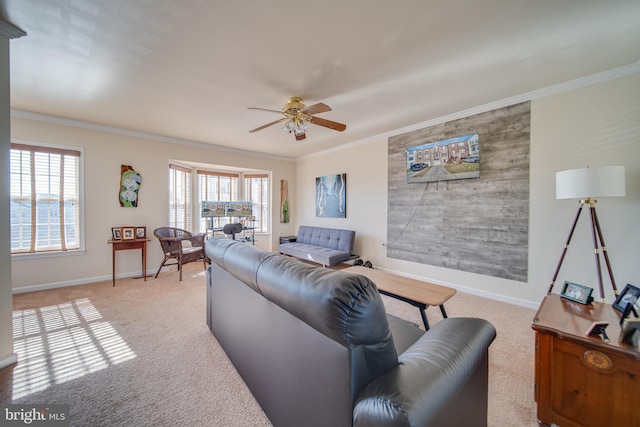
[180, 245]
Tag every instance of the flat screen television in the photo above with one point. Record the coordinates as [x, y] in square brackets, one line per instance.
[453, 158]
[239, 209]
[214, 209]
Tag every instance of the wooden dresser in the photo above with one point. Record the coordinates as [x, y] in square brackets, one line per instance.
[581, 380]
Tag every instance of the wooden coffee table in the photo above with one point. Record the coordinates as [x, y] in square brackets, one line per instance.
[415, 292]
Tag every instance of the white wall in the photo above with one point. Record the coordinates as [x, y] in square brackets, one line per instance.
[594, 125]
[104, 152]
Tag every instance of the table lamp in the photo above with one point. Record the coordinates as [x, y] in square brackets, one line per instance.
[586, 185]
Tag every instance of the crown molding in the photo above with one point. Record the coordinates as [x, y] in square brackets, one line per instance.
[137, 134]
[10, 31]
[604, 76]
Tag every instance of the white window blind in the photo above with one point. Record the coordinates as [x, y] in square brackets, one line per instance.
[45, 199]
[256, 190]
[216, 186]
[179, 197]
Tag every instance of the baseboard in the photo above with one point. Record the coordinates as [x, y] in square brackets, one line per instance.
[86, 281]
[471, 291]
[8, 360]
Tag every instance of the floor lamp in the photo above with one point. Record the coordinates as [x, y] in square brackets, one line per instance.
[586, 185]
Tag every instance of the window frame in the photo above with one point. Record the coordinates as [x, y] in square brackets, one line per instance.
[234, 196]
[264, 221]
[57, 149]
[188, 198]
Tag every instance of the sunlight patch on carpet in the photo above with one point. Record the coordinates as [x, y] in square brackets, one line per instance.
[59, 343]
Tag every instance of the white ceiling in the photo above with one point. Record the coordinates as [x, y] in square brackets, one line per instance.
[188, 69]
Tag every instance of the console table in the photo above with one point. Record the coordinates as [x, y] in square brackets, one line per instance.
[121, 245]
[582, 380]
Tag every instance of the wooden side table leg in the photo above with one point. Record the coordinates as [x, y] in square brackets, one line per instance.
[144, 261]
[113, 264]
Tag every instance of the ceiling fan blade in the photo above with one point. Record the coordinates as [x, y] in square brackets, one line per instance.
[264, 109]
[300, 136]
[316, 108]
[328, 124]
[268, 124]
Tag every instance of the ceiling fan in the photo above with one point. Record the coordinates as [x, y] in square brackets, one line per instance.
[297, 117]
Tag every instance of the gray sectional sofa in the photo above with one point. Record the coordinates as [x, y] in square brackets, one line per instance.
[325, 246]
[316, 347]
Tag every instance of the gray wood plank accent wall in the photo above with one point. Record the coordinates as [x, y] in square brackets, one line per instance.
[478, 225]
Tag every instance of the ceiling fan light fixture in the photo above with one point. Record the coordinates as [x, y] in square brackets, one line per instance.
[298, 117]
[296, 125]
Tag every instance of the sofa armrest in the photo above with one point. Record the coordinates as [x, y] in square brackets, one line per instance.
[430, 375]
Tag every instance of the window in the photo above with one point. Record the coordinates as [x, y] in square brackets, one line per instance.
[45, 199]
[180, 197]
[256, 190]
[216, 186]
[213, 186]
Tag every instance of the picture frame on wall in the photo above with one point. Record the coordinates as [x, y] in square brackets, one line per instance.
[116, 233]
[141, 232]
[128, 233]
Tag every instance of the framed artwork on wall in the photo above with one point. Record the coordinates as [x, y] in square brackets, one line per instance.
[331, 196]
[130, 181]
[284, 201]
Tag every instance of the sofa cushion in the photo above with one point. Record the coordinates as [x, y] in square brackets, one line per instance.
[317, 254]
[342, 306]
[326, 246]
[332, 238]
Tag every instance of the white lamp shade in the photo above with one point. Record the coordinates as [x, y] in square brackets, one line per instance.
[605, 181]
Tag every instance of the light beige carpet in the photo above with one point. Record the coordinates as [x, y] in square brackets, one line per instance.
[141, 354]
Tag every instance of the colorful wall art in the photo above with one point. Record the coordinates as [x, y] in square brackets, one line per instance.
[130, 181]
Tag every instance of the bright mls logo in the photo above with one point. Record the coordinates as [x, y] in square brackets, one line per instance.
[36, 415]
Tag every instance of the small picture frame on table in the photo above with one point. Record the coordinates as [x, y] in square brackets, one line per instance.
[141, 232]
[116, 233]
[128, 233]
[629, 295]
[578, 293]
